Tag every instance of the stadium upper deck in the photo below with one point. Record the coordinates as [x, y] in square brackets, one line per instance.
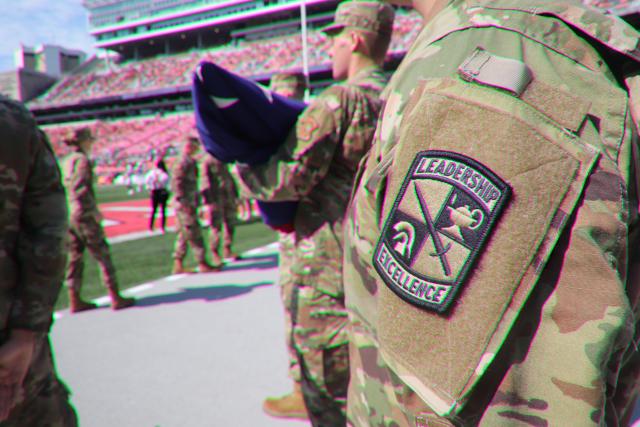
[133, 27]
[132, 103]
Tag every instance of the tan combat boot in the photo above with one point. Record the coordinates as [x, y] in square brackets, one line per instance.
[77, 304]
[228, 253]
[205, 267]
[178, 267]
[118, 302]
[216, 260]
[288, 406]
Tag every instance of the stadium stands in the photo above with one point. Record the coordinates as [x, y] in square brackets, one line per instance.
[123, 144]
[120, 143]
[248, 58]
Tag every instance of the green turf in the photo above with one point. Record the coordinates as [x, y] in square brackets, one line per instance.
[143, 260]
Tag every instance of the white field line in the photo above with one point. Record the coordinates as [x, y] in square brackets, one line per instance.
[146, 286]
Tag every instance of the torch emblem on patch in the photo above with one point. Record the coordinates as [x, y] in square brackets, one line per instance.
[442, 216]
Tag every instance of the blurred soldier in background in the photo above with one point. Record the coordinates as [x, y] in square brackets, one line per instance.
[33, 232]
[184, 185]
[291, 85]
[219, 195]
[491, 246]
[316, 165]
[85, 221]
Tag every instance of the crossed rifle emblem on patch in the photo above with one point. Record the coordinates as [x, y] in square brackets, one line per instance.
[440, 219]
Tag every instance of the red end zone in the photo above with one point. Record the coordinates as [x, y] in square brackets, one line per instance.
[131, 217]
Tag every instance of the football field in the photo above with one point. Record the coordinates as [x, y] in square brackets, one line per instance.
[197, 350]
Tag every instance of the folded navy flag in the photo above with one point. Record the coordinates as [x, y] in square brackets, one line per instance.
[240, 121]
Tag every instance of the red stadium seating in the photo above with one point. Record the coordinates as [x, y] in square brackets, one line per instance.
[252, 58]
[122, 142]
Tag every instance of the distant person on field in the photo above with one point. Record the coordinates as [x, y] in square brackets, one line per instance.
[184, 185]
[157, 181]
[33, 235]
[86, 230]
[219, 194]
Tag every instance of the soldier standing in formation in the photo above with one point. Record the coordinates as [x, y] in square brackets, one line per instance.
[316, 165]
[219, 194]
[85, 228]
[184, 185]
[33, 233]
[291, 85]
[491, 246]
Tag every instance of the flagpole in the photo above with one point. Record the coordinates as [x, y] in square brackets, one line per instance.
[305, 56]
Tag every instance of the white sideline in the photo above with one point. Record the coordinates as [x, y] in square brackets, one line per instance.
[145, 286]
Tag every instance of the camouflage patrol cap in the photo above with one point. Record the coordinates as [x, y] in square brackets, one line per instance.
[373, 16]
[77, 135]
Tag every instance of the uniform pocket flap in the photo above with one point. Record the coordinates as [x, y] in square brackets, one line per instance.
[482, 185]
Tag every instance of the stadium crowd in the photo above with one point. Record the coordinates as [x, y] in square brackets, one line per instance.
[101, 78]
[120, 143]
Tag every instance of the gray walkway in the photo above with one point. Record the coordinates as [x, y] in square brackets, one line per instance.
[199, 350]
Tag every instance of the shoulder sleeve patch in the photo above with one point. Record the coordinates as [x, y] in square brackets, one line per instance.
[442, 215]
[306, 127]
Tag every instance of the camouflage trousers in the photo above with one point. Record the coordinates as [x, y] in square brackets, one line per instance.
[189, 232]
[46, 401]
[222, 228]
[320, 324]
[89, 234]
[287, 286]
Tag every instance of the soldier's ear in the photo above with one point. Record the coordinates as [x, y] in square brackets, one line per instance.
[357, 42]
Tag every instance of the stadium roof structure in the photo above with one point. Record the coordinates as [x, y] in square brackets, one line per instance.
[185, 16]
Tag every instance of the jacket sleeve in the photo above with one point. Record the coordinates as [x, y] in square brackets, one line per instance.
[41, 244]
[303, 160]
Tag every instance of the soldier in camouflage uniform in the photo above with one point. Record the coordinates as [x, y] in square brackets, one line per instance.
[85, 228]
[33, 228]
[491, 262]
[219, 194]
[316, 165]
[184, 186]
[291, 405]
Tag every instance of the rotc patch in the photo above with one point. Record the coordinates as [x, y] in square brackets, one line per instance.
[306, 127]
[440, 220]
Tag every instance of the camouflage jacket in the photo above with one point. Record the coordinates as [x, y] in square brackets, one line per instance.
[78, 180]
[184, 181]
[217, 186]
[488, 266]
[33, 222]
[316, 165]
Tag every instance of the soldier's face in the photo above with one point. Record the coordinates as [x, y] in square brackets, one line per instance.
[86, 144]
[342, 46]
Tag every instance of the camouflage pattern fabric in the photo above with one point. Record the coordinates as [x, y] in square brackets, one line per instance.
[291, 85]
[287, 288]
[46, 399]
[316, 166]
[184, 186]
[542, 330]
[219, 194]
[33, 227]
[85, 228]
